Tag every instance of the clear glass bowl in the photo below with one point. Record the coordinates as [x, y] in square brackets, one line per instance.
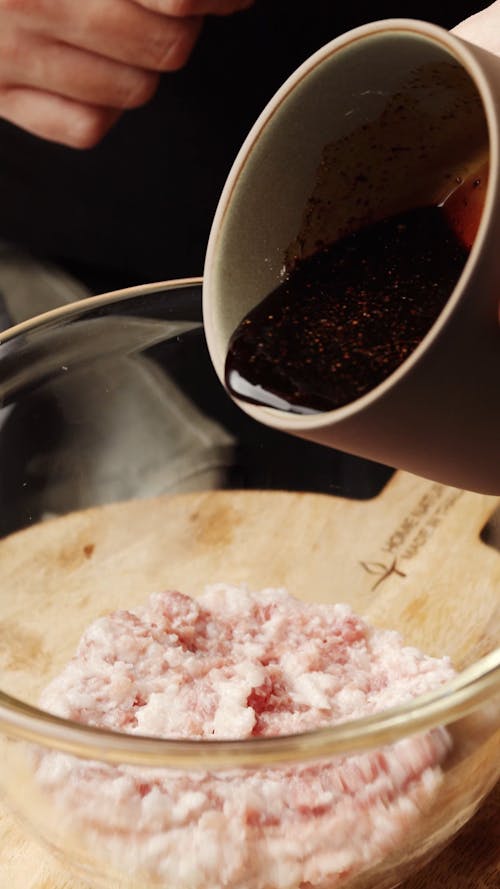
[124, 470]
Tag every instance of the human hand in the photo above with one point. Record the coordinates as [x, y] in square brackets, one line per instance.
[483, 28]
[69, 69]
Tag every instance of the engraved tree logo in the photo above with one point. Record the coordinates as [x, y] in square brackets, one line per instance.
[382, 571]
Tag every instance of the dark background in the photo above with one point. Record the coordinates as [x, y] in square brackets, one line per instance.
[138, 207]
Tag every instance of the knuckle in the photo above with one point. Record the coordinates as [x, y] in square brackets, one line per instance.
[16, 50]
[183, 8]
[175, 53]
[14, 6]
[173, 8]
[12, 54]
[157, 50]
[141, 89]
[56, 119]
[87, 129]
[4, 99]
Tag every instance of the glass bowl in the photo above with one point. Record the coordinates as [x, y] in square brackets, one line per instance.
[125, 470]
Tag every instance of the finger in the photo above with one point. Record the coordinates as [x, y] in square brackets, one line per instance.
[483, 28]
[56, 118]
[118, 29]
[33, 61]
[185, 8]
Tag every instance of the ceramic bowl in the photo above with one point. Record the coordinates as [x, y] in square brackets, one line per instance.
[385, 118]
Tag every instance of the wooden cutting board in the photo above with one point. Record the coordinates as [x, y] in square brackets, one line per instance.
[411, 559]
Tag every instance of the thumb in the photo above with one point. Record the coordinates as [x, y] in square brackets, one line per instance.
[483, 28]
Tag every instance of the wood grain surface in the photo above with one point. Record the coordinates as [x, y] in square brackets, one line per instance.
[411, 559]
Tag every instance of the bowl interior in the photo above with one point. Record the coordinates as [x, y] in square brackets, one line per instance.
[125, 470]
[376, 123]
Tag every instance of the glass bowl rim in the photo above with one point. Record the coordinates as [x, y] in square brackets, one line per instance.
[448, 703]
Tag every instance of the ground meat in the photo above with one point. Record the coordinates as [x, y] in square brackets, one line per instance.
[239, 664]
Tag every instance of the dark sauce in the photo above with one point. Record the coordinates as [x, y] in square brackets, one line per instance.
[345, 318]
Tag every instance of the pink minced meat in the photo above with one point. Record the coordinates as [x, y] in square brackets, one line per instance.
[239, 664]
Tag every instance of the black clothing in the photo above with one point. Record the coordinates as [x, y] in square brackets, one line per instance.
[139, 206]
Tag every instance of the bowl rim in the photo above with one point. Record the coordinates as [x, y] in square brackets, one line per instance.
[89, 303]
[451, 701]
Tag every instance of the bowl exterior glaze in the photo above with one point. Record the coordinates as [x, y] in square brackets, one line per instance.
[370, 125]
